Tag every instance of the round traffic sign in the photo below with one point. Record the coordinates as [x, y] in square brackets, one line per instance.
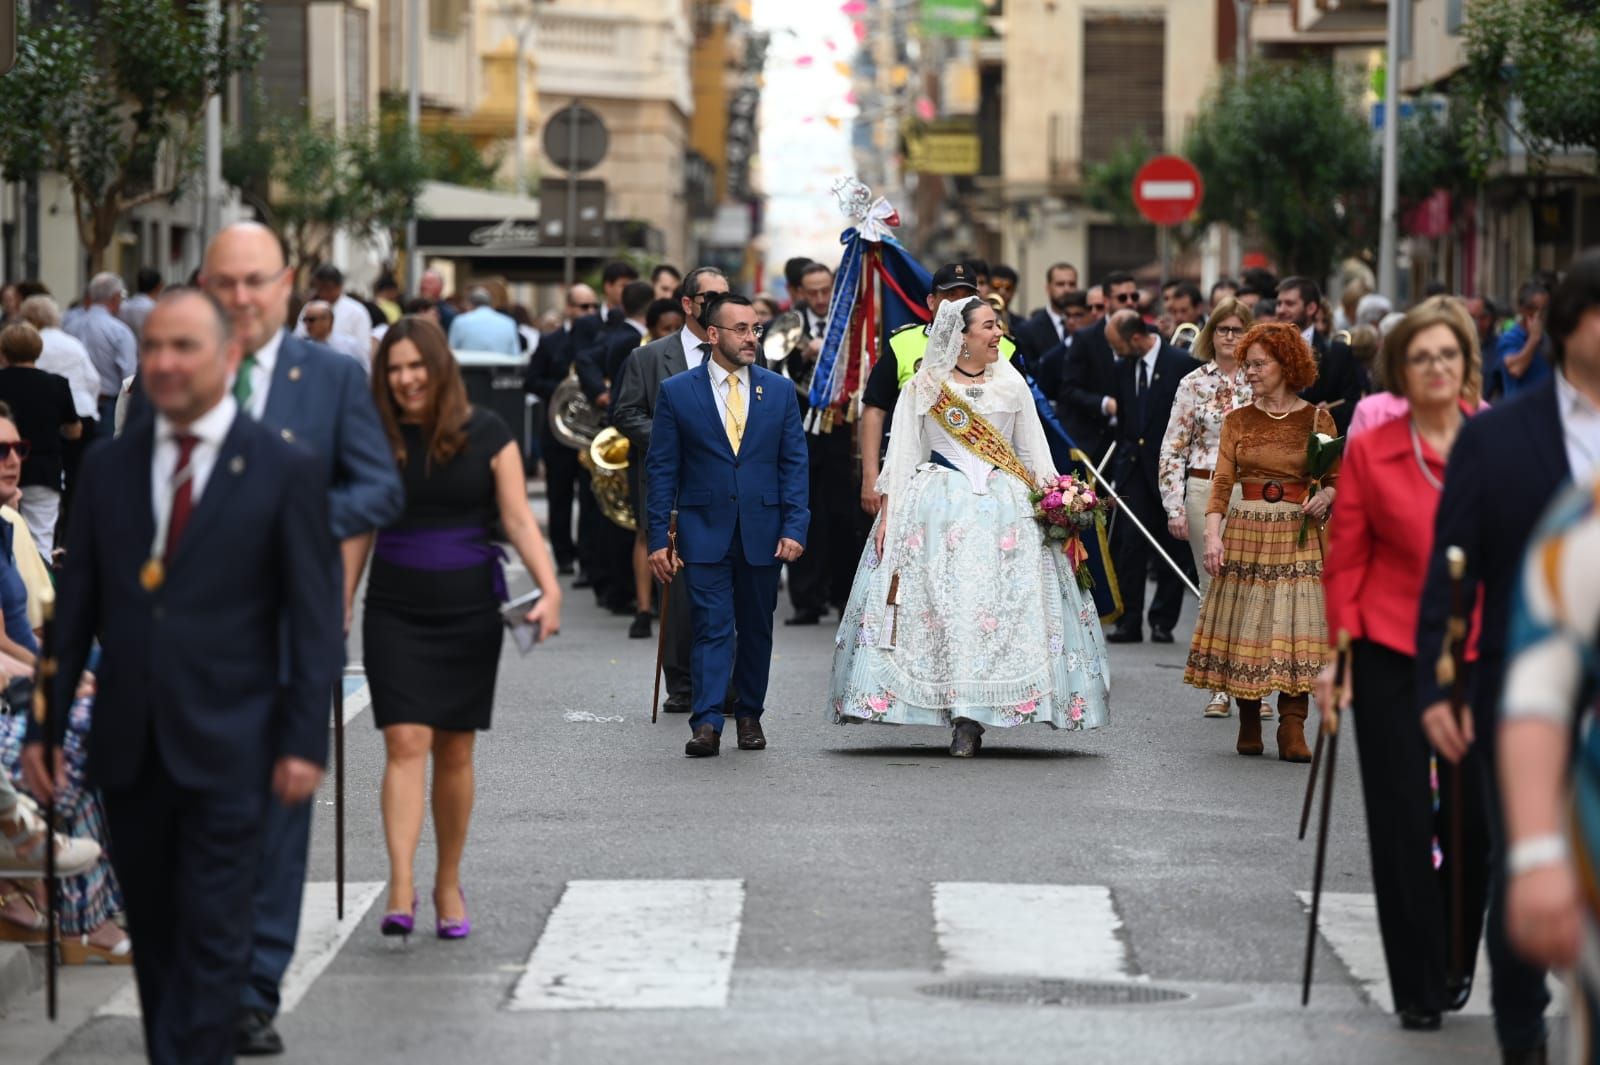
[1167, 190]
[575, 138]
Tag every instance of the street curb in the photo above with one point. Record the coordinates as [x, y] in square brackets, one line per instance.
[16, 973]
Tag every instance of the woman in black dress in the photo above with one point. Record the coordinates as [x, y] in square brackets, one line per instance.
[432, 631]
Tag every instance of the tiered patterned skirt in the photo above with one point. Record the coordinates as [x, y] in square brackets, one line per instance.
[1262, 628]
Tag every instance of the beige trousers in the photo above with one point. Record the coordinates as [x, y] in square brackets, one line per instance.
[1196, 497]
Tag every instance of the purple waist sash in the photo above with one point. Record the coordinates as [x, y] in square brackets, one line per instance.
[439, 550]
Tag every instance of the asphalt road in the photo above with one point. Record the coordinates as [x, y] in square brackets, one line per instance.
[851, 852]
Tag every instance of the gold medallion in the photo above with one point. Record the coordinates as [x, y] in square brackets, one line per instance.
[153, 574]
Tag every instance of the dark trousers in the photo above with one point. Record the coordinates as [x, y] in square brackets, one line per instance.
[732, 604]
[838, 531]
[616, 544]
[187, 862]
[1133, 556]
[108, 417]
[1412, 898]
[561, 472]
[280, 887]
[678, 626]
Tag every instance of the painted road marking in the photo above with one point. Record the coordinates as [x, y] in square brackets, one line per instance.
[1055, 930]
[635, 945]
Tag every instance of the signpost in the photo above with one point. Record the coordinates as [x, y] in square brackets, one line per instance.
[575, 139]
[8, 35]
[1167, 190]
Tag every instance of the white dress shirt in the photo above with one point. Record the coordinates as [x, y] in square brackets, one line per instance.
[1580, 428]
[1059, 322]
[719, 390]
[261, 375]
[64, 354]
[211, 429]
[691, 347]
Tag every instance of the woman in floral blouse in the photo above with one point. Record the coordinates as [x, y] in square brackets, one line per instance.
[1189, 450]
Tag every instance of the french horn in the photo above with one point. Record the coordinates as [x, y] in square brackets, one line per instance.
[1184, 335]
[573, 419]
[606, 458]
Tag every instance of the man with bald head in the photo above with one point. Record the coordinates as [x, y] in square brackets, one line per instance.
[319, 401]
[430, 287]
[199, 560]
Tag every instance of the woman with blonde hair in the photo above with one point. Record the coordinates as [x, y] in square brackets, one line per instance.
[1189, 449]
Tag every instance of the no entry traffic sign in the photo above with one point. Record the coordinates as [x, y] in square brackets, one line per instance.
[1167, 190]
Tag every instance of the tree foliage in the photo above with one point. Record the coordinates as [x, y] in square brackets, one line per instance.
[1286, 154]
[1533, 67]
[116, 104]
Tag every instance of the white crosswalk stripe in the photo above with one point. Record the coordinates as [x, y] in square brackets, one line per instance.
[1057, 930]
[635, 945]
[321, 936]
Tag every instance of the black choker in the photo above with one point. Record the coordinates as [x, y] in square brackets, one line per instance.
[963, 373]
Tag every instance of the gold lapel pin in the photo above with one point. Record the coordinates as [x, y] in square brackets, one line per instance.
[294, 373]
[236, 467]
[152, 574]
[758, 391]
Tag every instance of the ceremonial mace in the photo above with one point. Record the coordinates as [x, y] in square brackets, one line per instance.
[1342, 672]
[1122, 508]
[1340, 667]
[666, 593]
[44, 713]
[1451, 673]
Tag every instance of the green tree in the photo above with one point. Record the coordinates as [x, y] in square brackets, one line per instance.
[1286, 154]
[293, 171]
[116, 104]
[1545, 56]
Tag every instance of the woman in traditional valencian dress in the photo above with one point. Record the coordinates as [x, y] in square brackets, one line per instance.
[961, 614]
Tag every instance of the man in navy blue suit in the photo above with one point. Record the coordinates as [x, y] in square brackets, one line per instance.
[198, 555]
[728, 454]
[319, 400]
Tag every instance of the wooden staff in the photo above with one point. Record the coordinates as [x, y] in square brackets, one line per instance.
[1451, 672]
[666, 594]
[1332, 730]
[1341, 664]
[44, 712]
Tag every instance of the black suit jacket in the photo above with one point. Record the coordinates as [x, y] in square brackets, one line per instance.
[1338, 378]
[1088, 376]
[635, 407]
[228, 664]
[1035, 336]
[1139, 442]
[550, 362]
[1506, 467]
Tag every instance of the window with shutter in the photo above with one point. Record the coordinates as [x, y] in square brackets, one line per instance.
[281, 74]
[1124, 83]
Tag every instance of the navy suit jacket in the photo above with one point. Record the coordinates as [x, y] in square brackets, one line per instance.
[1088, 376]
[197, 666]
[1506, 467]
[1035, 336]
[321, 400]
[1139, 444]
[762, 492]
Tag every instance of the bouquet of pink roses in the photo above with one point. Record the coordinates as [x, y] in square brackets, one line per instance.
[1065, 506]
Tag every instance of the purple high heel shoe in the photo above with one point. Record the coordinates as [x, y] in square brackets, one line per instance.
[450, 928]
[400, 924]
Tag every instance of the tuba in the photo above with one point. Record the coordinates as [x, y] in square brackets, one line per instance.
[1184, 335]
[606, 458]
[573, 420]
[780, 346]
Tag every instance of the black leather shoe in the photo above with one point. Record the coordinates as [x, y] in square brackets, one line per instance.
[751, 738]
[804, 617]
[677, 704]
[640, 629]
[564, 569]
[1122, 635]
[1539, 1055]
[583, 581]
[1415, 1020]
[255, 1037]
[967, 739]
[1458, 990]
[1158, 635]
[707, 743]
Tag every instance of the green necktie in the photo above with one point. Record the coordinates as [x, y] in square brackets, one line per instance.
[242, 388]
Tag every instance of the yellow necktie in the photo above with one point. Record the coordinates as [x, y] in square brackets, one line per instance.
[735, 424]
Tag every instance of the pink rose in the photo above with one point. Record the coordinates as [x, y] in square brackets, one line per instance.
[988, 623]
[1028, 707]
[1052, 501]
[877, 704]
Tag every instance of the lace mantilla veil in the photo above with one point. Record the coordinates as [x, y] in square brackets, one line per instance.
[1004, 388]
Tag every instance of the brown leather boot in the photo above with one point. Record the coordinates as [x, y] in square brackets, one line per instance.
[1249, 727]
[1292, 728]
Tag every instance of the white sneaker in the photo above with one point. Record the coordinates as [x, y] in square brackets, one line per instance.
[1218, 706]
[22, 846]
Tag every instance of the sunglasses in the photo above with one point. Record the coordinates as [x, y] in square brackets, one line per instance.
[20, 448]
[587, 306]
[1125, 297]
[1098, 308]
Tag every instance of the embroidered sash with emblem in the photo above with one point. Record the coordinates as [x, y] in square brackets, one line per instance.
[974, 433]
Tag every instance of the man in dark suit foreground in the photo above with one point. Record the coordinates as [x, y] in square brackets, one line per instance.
[199, 556]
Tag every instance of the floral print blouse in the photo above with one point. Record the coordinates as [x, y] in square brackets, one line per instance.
[1203, 399]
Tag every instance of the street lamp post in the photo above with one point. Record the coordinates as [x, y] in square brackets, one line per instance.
[414, 119]
[1388, 233]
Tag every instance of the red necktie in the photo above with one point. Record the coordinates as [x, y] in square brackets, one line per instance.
[183, 498]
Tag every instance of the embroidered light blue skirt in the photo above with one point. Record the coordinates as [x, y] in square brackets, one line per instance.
[990, 623]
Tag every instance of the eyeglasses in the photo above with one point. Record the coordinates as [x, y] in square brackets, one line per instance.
[19, 448]
[1228, 331]
[1129, 298]
[1257, 364]
[1429, 358]
[743, 329]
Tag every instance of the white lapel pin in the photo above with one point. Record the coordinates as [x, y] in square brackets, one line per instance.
[236, 467]
[294, 373]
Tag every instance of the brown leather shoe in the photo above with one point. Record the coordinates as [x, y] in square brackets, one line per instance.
[751, 738]
[1291, 728]
[707, 743]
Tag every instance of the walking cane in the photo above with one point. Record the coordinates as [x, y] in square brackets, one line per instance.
[1342, 669]
[44, 713]
[666, 594]
[1451, 673]
[1340, 664]
[338, 797]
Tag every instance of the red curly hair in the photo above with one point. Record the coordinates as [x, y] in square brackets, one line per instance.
[1283, 344]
